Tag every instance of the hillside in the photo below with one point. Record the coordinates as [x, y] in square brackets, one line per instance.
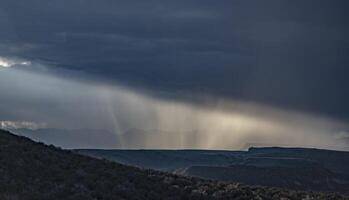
[291, 168]
[30, 170]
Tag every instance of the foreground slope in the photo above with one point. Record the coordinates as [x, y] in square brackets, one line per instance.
[30, 170]
[291, 168]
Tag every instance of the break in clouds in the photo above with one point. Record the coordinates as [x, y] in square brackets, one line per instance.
[33, 97]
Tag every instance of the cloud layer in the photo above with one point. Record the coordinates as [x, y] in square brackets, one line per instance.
[139, 120]
[288, 54]
[208, 74]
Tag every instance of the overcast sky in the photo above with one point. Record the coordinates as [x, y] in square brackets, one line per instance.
[288, 56]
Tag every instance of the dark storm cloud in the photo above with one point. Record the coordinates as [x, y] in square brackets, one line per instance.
[291, 54]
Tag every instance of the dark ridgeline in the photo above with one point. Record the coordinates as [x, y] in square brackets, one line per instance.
[30, 170]
[291, 168]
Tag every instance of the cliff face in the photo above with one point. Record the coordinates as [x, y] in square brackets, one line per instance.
[30, 170]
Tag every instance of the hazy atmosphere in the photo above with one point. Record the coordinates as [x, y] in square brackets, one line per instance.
[176, 74]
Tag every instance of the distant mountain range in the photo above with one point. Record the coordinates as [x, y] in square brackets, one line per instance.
[30, 170]
[293, 168]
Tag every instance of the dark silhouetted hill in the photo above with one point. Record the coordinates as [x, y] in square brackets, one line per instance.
[292, 168]
[34, 171]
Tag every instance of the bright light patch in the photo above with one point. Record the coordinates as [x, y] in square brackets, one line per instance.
[5, 62]
[20, 124]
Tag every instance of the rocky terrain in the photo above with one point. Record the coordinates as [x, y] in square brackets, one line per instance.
[291, 168]
[30, 170]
